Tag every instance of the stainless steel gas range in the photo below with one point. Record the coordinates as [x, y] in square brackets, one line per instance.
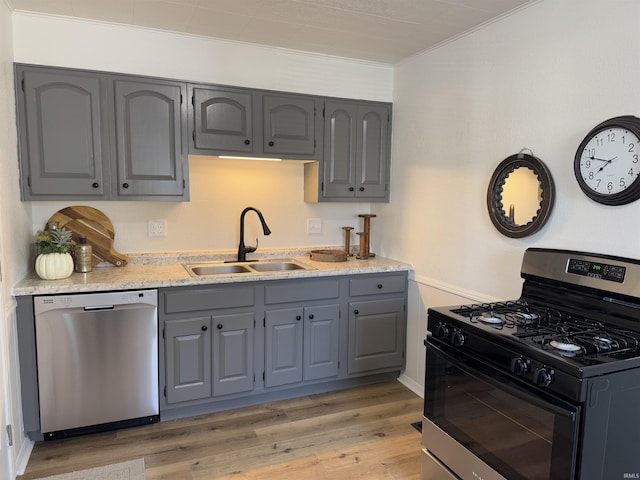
[545, 387]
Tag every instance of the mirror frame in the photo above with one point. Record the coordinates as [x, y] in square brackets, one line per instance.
[497, 212]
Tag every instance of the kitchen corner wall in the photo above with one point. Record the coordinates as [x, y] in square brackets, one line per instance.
[540, 78]
[220, 189]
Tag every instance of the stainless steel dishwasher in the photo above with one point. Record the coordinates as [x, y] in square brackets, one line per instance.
[97, 361]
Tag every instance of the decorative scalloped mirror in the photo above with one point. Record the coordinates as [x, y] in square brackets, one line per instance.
[520, 195]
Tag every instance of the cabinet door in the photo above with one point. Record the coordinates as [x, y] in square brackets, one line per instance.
[283, 346]
[62, 123]
[339, 149]
[321, 340]
[233, 353]
[150, 122]
[372, 154]
[376, 335]
[222, 120]
[289, 125]
[188, 359]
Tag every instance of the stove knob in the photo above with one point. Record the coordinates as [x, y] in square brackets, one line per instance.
[543, 377]
[458, 338]
[520, 365]
[442, 331]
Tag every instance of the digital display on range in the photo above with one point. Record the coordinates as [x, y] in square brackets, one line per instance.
[602, 271]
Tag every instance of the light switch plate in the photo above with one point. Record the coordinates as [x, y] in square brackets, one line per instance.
[314, 226]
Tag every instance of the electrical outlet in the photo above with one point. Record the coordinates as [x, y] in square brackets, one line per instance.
[314, 226]
[157, 228]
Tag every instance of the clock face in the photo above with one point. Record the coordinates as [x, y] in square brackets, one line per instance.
[607, 165]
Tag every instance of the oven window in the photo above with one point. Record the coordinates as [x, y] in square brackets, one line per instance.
[506, 426]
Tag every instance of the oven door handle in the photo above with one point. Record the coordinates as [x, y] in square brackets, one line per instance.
[489, 374]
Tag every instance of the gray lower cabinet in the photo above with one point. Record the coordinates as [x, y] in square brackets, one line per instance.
[356, 161]
[376, 335]
[233, 352]
[209, 335]
[87, 135]
[301, 343]
[188, 359]
[377, 322]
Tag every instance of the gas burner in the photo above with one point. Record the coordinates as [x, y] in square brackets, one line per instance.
[490, 319]
[565, 347]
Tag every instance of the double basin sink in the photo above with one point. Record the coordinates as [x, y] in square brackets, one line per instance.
[258, 266]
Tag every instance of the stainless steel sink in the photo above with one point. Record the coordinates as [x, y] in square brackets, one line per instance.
[277, 266]
[258, 266]
[218, 269]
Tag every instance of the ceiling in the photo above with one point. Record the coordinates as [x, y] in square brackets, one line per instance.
[385, 31]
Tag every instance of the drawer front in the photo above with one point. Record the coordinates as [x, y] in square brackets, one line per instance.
[380, 284]
[301, 291]
[209, 299]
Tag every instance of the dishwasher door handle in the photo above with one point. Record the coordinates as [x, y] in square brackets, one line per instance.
[99, 307]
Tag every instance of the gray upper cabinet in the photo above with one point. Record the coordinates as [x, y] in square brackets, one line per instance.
[252, 123]
[150, 119]
[63, 131]
[289, 125]
[96, 136]
[221, 120]
[355, 164]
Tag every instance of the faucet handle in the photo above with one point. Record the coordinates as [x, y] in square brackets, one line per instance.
[251, 249]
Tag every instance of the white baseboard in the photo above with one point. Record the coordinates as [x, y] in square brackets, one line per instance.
[412, 385]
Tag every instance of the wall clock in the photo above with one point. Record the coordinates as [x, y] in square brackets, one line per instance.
[607, 163]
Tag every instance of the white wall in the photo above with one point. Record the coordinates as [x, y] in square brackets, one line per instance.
[541, 79]
[219, 189]
[15, 237]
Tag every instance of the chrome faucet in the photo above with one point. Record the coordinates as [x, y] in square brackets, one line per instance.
[242, 250]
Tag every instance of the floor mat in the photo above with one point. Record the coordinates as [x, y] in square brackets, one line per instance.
[417, 426]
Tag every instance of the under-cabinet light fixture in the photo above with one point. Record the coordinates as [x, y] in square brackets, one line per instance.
[252, 158]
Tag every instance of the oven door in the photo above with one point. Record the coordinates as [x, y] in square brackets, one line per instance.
[482, 424]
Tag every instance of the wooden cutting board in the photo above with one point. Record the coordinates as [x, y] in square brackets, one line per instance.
[96, 226]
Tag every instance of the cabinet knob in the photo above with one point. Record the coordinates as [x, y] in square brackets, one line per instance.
[95, 184]
[271, 144]
[362, 189]
[203, 328]
[379, 285]
[125, 185]
[219, 326]
[247, 142]
[298, 317]
[311, 316]
[356, 312]
[351, 189]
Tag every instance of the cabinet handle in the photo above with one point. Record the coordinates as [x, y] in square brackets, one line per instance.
[362, 189]
[351, 189]
[379, 285]
[311, 316]
[356, 312]
[95, 184]
[271, 144]
[125, 185]
[298, 317]
[203, 328]
[247, 142]
[219, 326]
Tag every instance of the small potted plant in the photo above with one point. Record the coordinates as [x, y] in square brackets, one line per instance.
[54, 260]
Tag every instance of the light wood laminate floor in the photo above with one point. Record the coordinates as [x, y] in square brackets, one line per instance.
[360, 433]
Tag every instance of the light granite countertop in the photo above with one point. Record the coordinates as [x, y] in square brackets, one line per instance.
[167, 270]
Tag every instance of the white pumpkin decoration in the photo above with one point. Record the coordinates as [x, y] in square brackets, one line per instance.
[54, 266]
